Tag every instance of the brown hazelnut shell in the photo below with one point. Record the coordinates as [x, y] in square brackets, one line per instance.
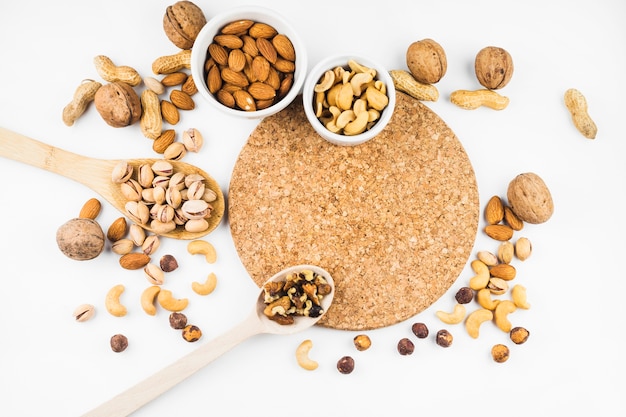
[493, 67]
[530, 198]
[182, 22]
[426, 61]
[118, 104]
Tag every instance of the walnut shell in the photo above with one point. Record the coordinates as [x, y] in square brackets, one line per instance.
[530, 198]
[426, 61]
[80, 239]
[118, 104]
[182, 22]
[493, 67]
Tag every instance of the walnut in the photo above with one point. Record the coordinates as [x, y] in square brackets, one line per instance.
[118, 104]
[182, 22]
[530, 198]
[493, 67]
[427, 61]
[81, 239]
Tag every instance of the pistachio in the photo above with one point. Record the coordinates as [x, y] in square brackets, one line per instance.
[121, 172]
[132, 190]
[497, 286]
[175, 152]
[137, 234]
[196, 225]
[173, 197]
[191, 178]
[154, 274]
[84, 312]
[151, 244]
[122, 246]
[209, 195]
[163, 168]
[138, 211]
[195, 191]
[177, 180]
[161, 181]
[195, 209]
[145, 175]
[192, 140]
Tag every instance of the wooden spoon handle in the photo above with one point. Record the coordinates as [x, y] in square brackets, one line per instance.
[135, 397]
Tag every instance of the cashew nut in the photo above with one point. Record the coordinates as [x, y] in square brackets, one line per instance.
[518, 295]
[456, 316]
[376, 98]
[147, 299]
[481, 279]
[302, 356]
[504, 308]
[475, 319]
[344, 118]
[168, 302]
[207, 287]
[357, 126]
[327, 81]
[359, 81]
[483, 296]
[112, 301]
[202, 247]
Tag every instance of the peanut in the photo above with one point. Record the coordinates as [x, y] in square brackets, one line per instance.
[577, 106]
[471, 100]
[84, 94]
[405, 82]
[171, 63]
[112, 73]
[151, 121]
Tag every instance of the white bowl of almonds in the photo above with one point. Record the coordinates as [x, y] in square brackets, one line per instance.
[249, 62]
[348, 99]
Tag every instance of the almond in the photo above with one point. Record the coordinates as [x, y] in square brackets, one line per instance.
[235, 78]
[262, 30]
[260, 68]
[494, 211]
[166, 138]
[285, 85]
[284, 47]
[244, 100]
[504, 271]
[499, 232]
[228, 41]
[261, 91]
[226, 98]
[218, 53]
[182, 100]
[249, 46]
[267, 49]
[189, 86]
[134, 260]
[214, 79]
[90, 209]
[512, 220]
[175, 78]
[117, 230]
[284, 66]
[236, 60]
[237, 27]
[169, 112]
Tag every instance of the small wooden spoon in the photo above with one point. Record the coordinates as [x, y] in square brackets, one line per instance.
[257, 322]
[96, 174]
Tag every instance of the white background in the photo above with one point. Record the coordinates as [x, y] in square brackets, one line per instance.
[574, 359]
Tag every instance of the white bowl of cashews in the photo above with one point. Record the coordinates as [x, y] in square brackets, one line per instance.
[231, 58]
[348, 99]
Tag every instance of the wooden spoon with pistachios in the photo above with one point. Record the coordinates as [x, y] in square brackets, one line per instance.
[97, 175]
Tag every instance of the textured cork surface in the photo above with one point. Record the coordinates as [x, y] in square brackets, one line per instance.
[393, 220]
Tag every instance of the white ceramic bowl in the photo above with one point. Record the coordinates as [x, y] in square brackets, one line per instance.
[308, 96]
[257, 14]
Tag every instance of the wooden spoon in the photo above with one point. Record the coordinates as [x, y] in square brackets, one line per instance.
[96, 174]
[257, 322]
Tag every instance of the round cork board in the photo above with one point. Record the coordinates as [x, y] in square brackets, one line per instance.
[393, 220]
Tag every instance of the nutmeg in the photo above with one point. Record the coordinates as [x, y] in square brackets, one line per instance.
[493, 67]
[426, 61]
[182, 22]
[118, 104]
[530, 198]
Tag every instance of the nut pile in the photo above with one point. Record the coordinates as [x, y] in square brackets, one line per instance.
[299, 294]
[249, 65]
[348, 100]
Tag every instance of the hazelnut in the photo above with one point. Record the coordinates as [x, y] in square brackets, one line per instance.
[444, 338]
[500, 353]
[178, 320]
[464, 295]
[168, 263]
[420, 330]
[182, 23]
[530, 198]
[405, 346]
[118, 104]
[362, 342]
[345, 365]
[80, 239]
[493, 67]
[519, 335]
[119, 343]
[426, 61]
[192, 333]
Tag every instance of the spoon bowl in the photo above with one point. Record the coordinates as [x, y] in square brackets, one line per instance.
[256, 323]
[96, 174]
